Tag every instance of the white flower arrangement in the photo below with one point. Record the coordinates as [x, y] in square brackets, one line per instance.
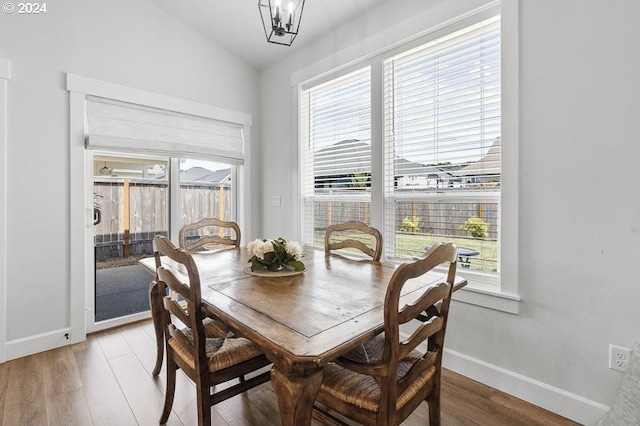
[275, 255]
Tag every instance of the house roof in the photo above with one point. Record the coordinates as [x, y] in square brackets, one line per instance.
[200, 174]
[354, 156]
[344, 157]
[489, 164]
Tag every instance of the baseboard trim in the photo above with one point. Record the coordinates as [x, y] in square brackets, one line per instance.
[556, 400]
[19, 348]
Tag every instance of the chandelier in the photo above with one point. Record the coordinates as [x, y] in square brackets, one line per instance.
[281, 23]
[105, 171]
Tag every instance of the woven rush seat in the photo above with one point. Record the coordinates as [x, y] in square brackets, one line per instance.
[363, 390]
[369, 352]
[212, 327]
[221, 353]
[215, 328]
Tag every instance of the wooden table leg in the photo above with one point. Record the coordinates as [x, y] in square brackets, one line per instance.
[296, 392]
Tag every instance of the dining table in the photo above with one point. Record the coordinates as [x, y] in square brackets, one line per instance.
[301, 320]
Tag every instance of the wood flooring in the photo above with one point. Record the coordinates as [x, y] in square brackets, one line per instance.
[106, 380]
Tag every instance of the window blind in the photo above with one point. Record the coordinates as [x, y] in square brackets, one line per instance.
[121, 126]
[335, 130]
[442, 123]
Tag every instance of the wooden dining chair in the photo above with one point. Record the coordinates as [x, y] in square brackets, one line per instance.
[354, 235]
[385, 379]
[206, 361]
[193, 237]
[212, 326]
[209, 233]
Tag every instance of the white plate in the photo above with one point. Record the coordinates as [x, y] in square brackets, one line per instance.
[285, 273]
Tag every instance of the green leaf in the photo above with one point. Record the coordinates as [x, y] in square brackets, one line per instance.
[258, 266]
[295, 265]
[269, 257]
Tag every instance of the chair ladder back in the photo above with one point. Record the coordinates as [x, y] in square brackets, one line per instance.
[432, 296]
[177, 310]
[348, 229]
[192, 315]
[174, 307]
[205, 238]
[351, 243]
[420, 335]
[164, 247]
[394, 349]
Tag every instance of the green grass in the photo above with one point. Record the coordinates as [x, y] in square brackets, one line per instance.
[410, 245]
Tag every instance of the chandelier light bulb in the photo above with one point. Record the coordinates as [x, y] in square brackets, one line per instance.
[290, 20]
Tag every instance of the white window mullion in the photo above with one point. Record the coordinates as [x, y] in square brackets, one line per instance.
[377, 144]
[174, 195]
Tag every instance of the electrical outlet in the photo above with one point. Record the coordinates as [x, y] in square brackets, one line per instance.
[618, 357]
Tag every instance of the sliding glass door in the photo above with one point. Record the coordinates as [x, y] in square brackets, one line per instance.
[132, 204]
[131, 207]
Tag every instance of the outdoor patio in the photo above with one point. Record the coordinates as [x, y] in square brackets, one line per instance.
[121, 290]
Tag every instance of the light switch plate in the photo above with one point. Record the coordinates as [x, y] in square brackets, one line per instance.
[275, 200]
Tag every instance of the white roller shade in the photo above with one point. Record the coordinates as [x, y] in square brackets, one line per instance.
[116, 126]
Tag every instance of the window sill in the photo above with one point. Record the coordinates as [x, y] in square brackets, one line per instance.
[484, 290]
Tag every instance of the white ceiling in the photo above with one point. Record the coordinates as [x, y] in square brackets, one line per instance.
[236, 24]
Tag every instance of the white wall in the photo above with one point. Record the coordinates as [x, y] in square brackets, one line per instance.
[131, 43]
[579, 203]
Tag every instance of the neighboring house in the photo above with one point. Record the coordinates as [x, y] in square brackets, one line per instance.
[200, 174]
[486, 170]
[336, 165]
[340, 166]
[413, 176]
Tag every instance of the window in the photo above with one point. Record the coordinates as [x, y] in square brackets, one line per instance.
[440, 171]
[335, 124]
[205, 191]
[442, 146]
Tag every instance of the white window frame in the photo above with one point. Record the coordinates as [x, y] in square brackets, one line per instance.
[82, 286]
[5, 75]
[501, 292]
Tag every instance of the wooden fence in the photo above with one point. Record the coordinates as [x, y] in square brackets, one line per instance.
[433, 218]
[133, 211]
